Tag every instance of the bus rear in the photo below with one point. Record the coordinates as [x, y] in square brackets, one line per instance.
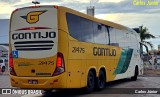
[34, 58]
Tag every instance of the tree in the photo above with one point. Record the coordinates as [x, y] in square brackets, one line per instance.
[145, 34]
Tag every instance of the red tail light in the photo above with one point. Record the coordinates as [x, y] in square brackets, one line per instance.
[59, 65]
[34, 6]
[10, 60]
[55, 6]
[12, 71]
[59, 62]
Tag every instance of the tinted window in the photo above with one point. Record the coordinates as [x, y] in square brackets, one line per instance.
[112, 35]
[74, 26]
[100, 33]
[121, 38]
[86, 30]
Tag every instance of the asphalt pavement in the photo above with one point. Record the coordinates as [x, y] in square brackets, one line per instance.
[145, 86]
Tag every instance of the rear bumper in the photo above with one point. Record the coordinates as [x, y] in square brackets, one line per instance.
[58, 81]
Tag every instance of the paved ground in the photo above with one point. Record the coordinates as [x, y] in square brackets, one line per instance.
[150, 71]
[121, 88]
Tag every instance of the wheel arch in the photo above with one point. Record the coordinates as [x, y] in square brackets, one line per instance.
[93, 69]
[103, 68]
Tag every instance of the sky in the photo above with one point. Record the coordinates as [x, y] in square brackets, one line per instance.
[130, 13]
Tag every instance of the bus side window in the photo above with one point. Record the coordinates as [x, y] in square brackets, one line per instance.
[73, 22]
[112, 35]
[100, 33]
[86, 30]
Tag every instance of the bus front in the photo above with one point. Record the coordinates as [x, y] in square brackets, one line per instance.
[34, 58]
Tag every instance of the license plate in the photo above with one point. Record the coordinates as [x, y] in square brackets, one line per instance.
[33, 81]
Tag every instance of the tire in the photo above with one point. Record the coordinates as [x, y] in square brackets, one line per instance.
[90, 82]
[134, 78]
[3, 69]
[101, 81]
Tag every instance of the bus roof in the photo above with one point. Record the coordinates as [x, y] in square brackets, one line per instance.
[69, 10]
[106, 22]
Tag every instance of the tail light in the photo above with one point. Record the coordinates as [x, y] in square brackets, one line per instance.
[12, 71]
[34, 6]
[55, 6]
[59, 65]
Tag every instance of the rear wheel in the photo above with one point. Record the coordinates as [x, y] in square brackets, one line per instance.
[134, 78]
[3, 69]
[90, 82]
[101, 80]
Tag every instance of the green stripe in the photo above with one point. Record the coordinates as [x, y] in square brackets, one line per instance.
[124, 61]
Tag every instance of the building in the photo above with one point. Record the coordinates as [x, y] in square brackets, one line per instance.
[90, 10]
[158, 47]
[4, 39]
[4, 31]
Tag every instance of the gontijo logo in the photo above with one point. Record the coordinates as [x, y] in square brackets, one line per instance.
[33, 17]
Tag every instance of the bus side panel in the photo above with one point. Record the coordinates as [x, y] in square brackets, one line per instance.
[82, 59]
[74, 67]
[110, 63]
[74, 73]
[63, 41]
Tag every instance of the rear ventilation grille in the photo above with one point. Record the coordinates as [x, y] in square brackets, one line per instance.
[34, 45]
